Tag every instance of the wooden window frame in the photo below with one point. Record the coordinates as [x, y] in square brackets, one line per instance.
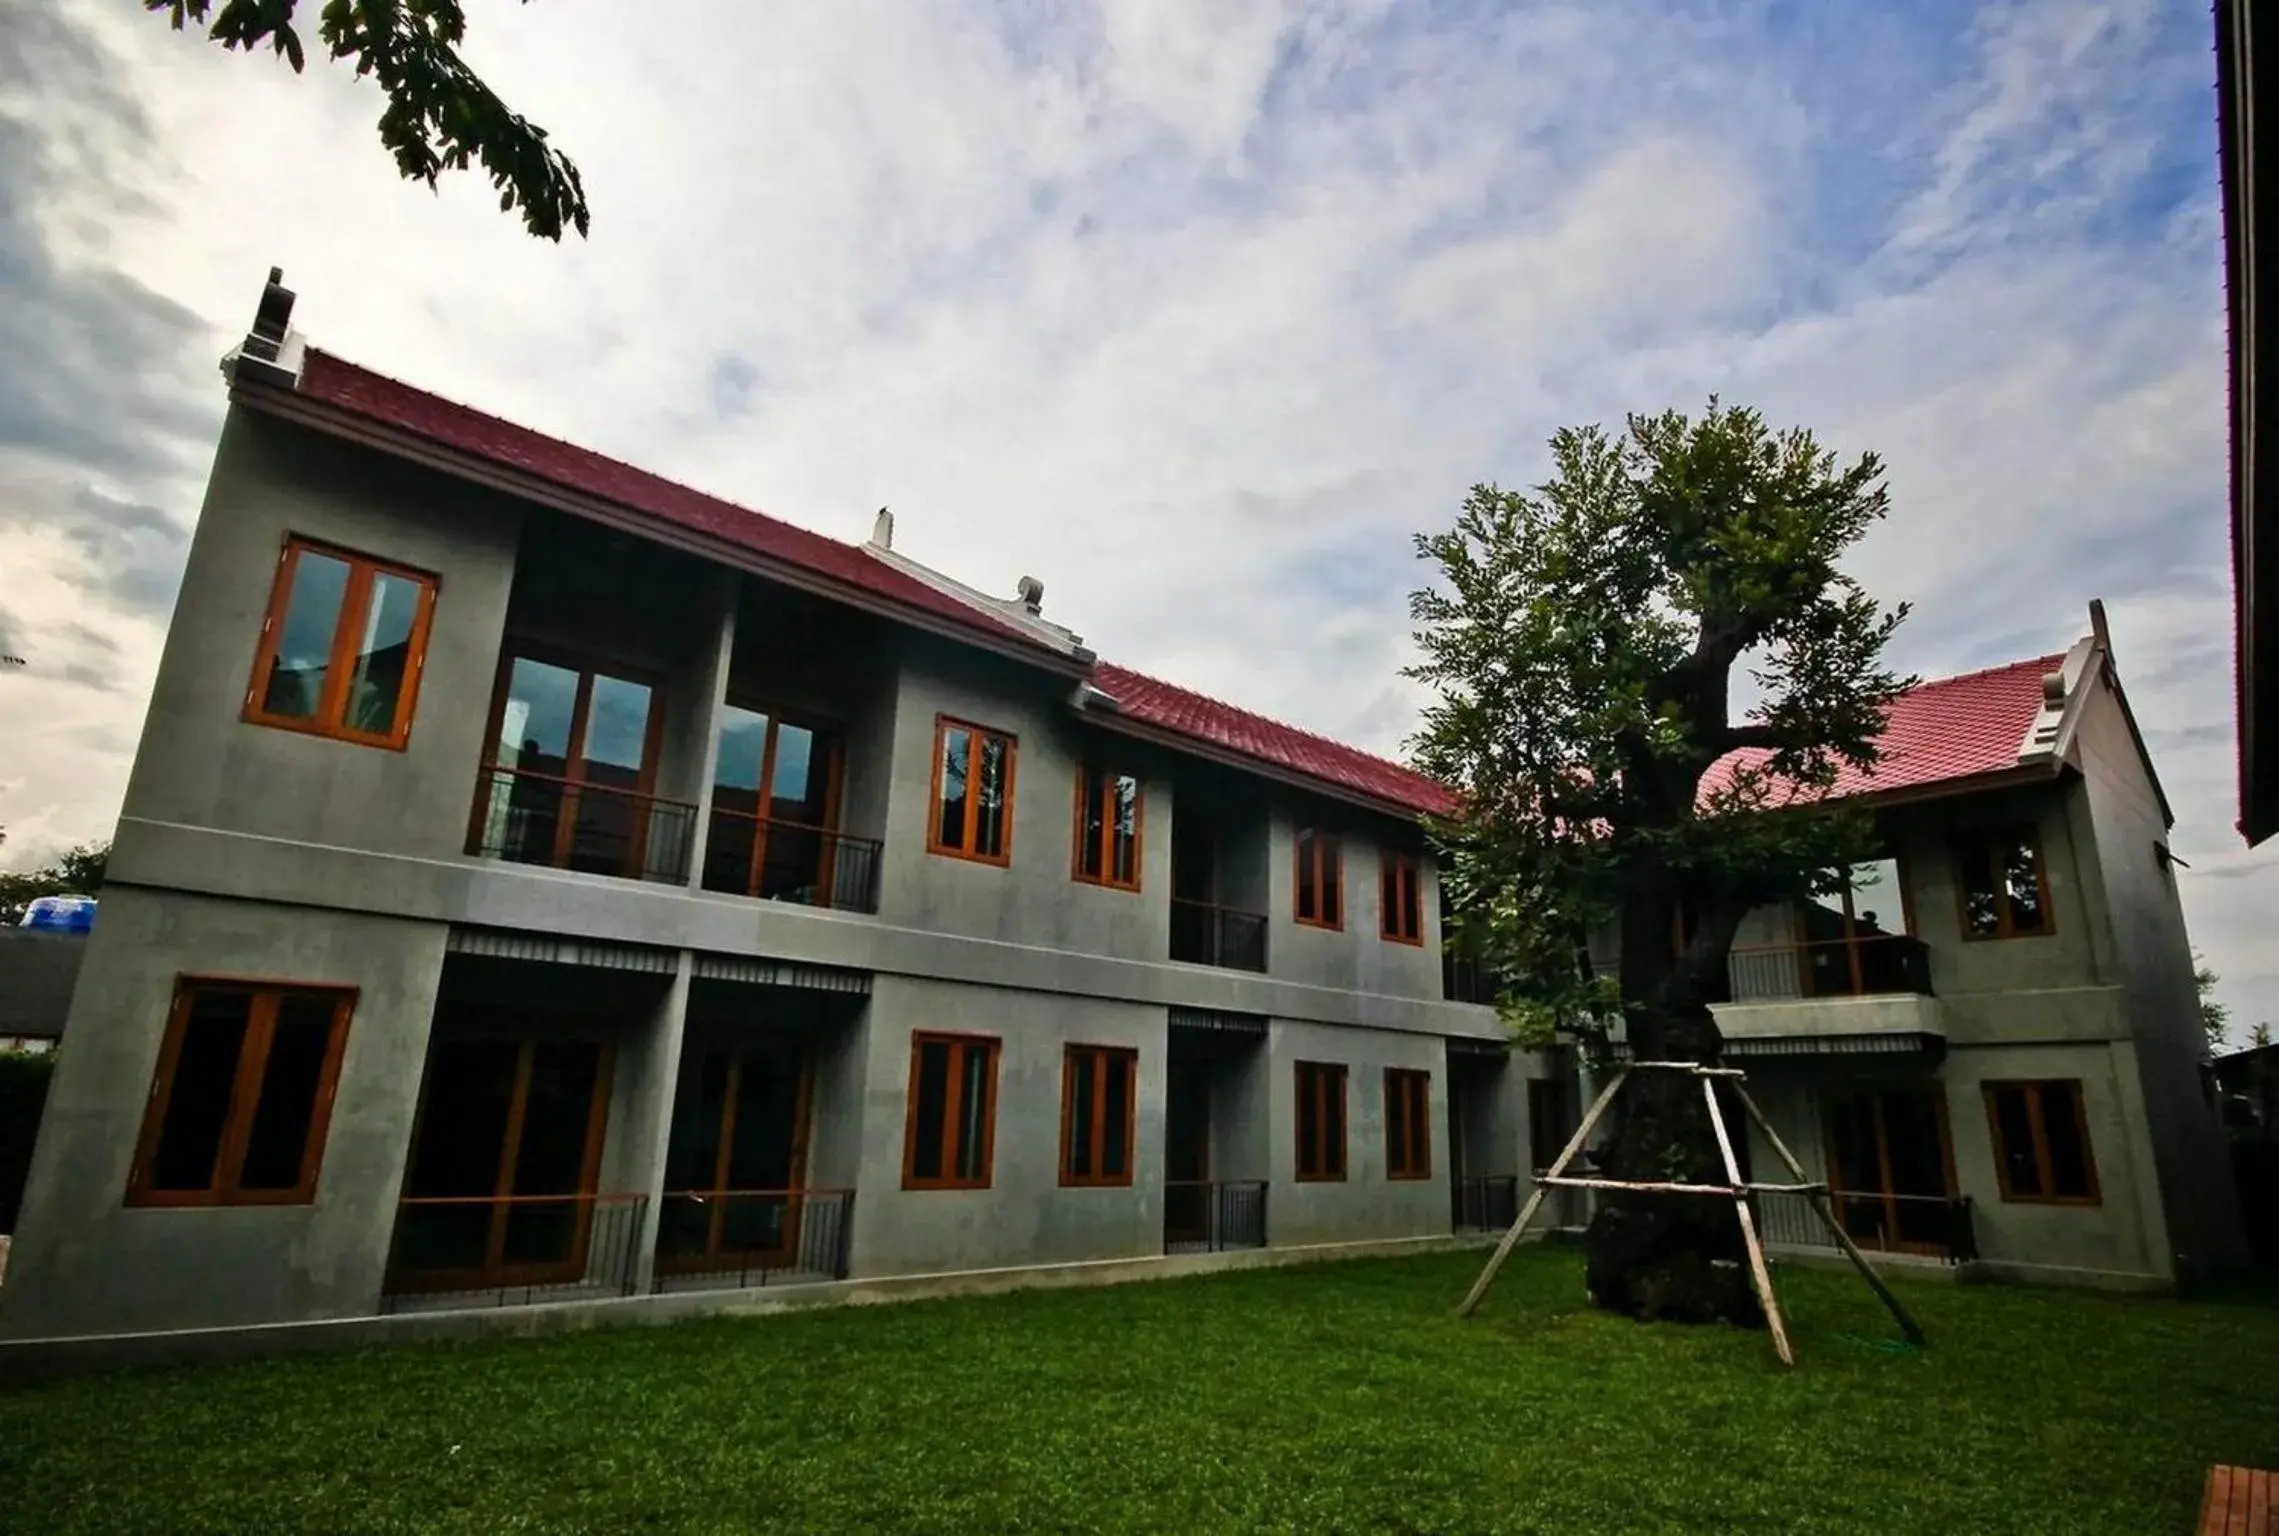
[355, 605]
[833, 734]
[1003, 858]
[1977, 842]
[717, 1195]
[245, 1094]
[587, 665]
[1088, 775]
[2035, 1090]
[1329, 853]
[1322, 1073]
[1403, 1084]
[1934, 1090]
[952, 1109]
[1392, 869]
[1069, 1178]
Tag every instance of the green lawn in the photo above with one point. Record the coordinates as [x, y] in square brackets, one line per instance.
[1334, 1397]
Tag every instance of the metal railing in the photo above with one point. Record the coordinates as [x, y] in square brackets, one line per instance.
[1930, 1226]
[1204, 934]
[1464, 980]
[1206, 1216]
[1882, 964]
[537, 818]
[749, 855]
[505, 1250]
[1485, 1204]
[748, 1237]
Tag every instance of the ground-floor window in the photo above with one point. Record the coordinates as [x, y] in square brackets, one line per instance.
[2041, 1142]
[1890, 1170]
[948, 1141]
[242, 1096]
[1548, 1119]
[1321, 1120]
[1408, 1142]
[1098, 1092]
[735, 1156]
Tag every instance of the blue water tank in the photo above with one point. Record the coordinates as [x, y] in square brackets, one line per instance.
[61, 914]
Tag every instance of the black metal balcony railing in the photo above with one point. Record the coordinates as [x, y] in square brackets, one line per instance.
[750, 855]
[754, 1237]
[1931, 1226]
[535, 818]
[1204, 1216]
[1204, 934]
[1465, 980]
[1485, 1204]
[1882, 964]
[503, 1250]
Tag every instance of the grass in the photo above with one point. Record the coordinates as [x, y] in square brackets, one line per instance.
[1339, 1397]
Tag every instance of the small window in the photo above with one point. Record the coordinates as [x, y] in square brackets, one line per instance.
[1321, 1121]
[973, 793]
[1548, 1122]
[1108, 829]
[1408, 1139]
[1099, 1085]
[1319, 901]
[2041, 1142]
[2005, 887]
[1401, 913]
[341, 647]
[242, 1095]
[953, 1112]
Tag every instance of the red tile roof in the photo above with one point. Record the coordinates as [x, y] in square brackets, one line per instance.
[376, 397]
[1953, 728]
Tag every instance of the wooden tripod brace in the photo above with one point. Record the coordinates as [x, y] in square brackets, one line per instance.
[1735, 1188]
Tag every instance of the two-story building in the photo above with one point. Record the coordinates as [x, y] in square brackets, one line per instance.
[538, 879]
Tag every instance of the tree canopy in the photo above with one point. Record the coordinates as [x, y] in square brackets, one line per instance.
[439, 116]
[77, 873]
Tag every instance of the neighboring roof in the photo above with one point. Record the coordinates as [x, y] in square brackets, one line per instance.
[1183, 712]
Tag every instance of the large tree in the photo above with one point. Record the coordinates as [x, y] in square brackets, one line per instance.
[1583, 641]
[439, 117]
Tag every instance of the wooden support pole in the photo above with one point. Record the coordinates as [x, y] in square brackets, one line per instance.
[1543, 1188]
[1757, 1270]
[1817, 1196]
[1635, 1187]
[1693, 1067]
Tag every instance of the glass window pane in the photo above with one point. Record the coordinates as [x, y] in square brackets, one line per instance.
[279, 1141]
[383, 655]
[1080, 1126]
[973, 1110]
[534, 725]
[957, 758]
[617, 732]
[692, 1149]
[2069, 1154]
[2021, 883]
[989, 812]
[767, 1118]
[1115, 1120]
[556, 1115]
[1823, 920]
[743, 747]
[1309, 1119]
[1308, 875]
[197, 1107]
[305, 634]
[1877, 908]
[2014, 1131]
[1091, 826]
[796, 793]
[933, 1109]
[1126, 871]
[1982, 915]
[1333, 904]
[1333, 1122]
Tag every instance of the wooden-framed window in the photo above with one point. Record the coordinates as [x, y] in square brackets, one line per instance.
[1408, 1122]
[1108, 810]
[1320, 898]
[242, 1095]
[1099, 1088]
[776, 790]
[342, 646]
[951, 1133]
[973, 793]
[2041, 1142]
[1321, 1121]
[2003, 884]
[573, 747]
[1400, 906]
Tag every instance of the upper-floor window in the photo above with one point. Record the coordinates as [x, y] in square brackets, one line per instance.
[2005, 888]
[1108, 828]
[1098, 1093]
[1854, 939]
[775, 813]
[1400, 908]
[973, 793]
[1321, 1121]
[1319, 900]
[2041, 1142]
[243, 1093]
[1408, 1138]
[952, 1130]
[341, 646]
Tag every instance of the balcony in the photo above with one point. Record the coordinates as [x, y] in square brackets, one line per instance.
[1205, 1216]
[777, 860]
[1486, 1204]
[1203, 933]
[500, 1250]
[1464, 980]
[527, 817]
[752, 1237]
[1877, 965]
[1925, 1226]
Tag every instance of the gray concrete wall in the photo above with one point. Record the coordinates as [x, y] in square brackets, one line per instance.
[1364, 1204]
[38, 969]
[200, 764]
[82, 1262]
[1357, 957]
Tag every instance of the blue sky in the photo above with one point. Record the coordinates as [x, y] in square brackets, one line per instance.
[1199, 313]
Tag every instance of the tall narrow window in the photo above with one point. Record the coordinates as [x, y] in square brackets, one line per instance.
[1321, 1121]
[1319, 900]
[2041, 1142]
[1108, 829]
[775, 812]
[1098, 1093]
[953, 1112]
[2004, 886]
[573, 768]
[973, 793]
[242, 1095]
[341, 646]
[1548, 1120]
[1408, 1118]
[1401, 912]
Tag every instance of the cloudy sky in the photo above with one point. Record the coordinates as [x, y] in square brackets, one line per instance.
[1197, 312]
